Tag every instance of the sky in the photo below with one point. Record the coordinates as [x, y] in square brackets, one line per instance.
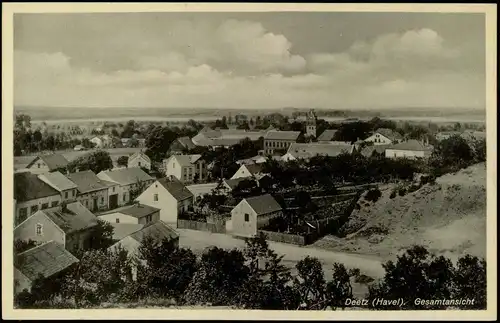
[326, 60]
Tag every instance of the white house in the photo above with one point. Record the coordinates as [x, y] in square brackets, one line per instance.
[170, 197]
[134, 214]
[185, 168]
[309, 150]
[408, 149]
[98, 143]
[128, 179]
[47, 163]
[384, 136]
[253, 213]
[139, 159]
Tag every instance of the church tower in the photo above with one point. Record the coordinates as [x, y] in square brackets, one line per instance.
[311, 124]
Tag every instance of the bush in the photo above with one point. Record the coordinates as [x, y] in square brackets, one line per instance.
[393, 194]
[402, 191]
[373, 195]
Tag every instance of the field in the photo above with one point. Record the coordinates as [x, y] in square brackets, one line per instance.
[449, 218]
[21, 162]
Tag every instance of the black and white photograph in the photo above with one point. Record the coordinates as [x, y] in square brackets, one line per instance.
[280, 160]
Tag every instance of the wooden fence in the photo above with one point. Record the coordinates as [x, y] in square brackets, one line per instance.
[284, 237]
[202, 226]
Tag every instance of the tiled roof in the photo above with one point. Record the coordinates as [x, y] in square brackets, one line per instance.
[412, 144]
[53, 161]
[47, 260]
[122, 230]
[29, 187]
[139, 210]
[127, 176]
[77, 217]
[157, 231]
[233, 183]
[57, 181]
[87, 181]
[282, 135]
[263, 204]
[389, 133]
[327, 135]
[139, 154]
[176, 188]
[309, 150]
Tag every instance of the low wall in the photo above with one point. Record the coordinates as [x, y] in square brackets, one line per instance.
[284, 237]
[201, 226]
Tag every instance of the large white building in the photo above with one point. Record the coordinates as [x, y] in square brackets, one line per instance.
[185, 168]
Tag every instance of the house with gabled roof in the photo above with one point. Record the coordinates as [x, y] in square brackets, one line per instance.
[157, 232]
[409, 149]
[139, 159]
[186, 168]
[137, 214]
[249, 171]
[171, 197]
[92, 191]
[48, 163]
[69, 225]
[275, 140]
[32, 194]
[384, 136]
[181, 144]
[129, 180]
[62, 184]
[373, 150]
[253, 213]
[48, 260]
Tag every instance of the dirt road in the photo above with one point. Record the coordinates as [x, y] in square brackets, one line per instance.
[199, 240]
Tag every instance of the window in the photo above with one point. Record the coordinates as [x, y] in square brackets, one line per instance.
[33, 209]
[39, 165]
[86, 203]
[149, 218]
[155, 197]
[23, 213]
[102, 200]
[54, 204]
[139, 164]
[156, 185]
[114, 188]
[45, 206]
[39, 229]
[247, 217]
[117, 220]
[74, 192]
[173, 165]
[124, 197]
[66, 195]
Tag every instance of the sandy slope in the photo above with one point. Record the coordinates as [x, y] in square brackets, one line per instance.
[448, 217]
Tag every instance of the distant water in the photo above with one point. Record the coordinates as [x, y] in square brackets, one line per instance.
[125, 119]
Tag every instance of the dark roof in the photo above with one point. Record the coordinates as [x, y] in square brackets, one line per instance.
[233, 183]
[127, 176]
[87, 181]
[186, 142]
[139, 210]
[157, 231]
[282, 135]
[29, 187]
[57, 181]
[76, 217]
[327, 135]
[254, 168]
[176, 188]
[368, 150]
[263, 204]
[46, 260]
[53, 161]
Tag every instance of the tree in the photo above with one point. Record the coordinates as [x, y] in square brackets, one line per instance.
[417, 273]
[339, 289]
[115, 133]
[133, 142]
[122, 161]
[101, 235]
[165, 270]
[479, 149]
[158, 142]
[95, 161]
[244, 126]
[469, 281]
[137, 189]
[310, 284]
[219, 278]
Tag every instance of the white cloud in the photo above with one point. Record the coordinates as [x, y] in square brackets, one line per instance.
[415, 68]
